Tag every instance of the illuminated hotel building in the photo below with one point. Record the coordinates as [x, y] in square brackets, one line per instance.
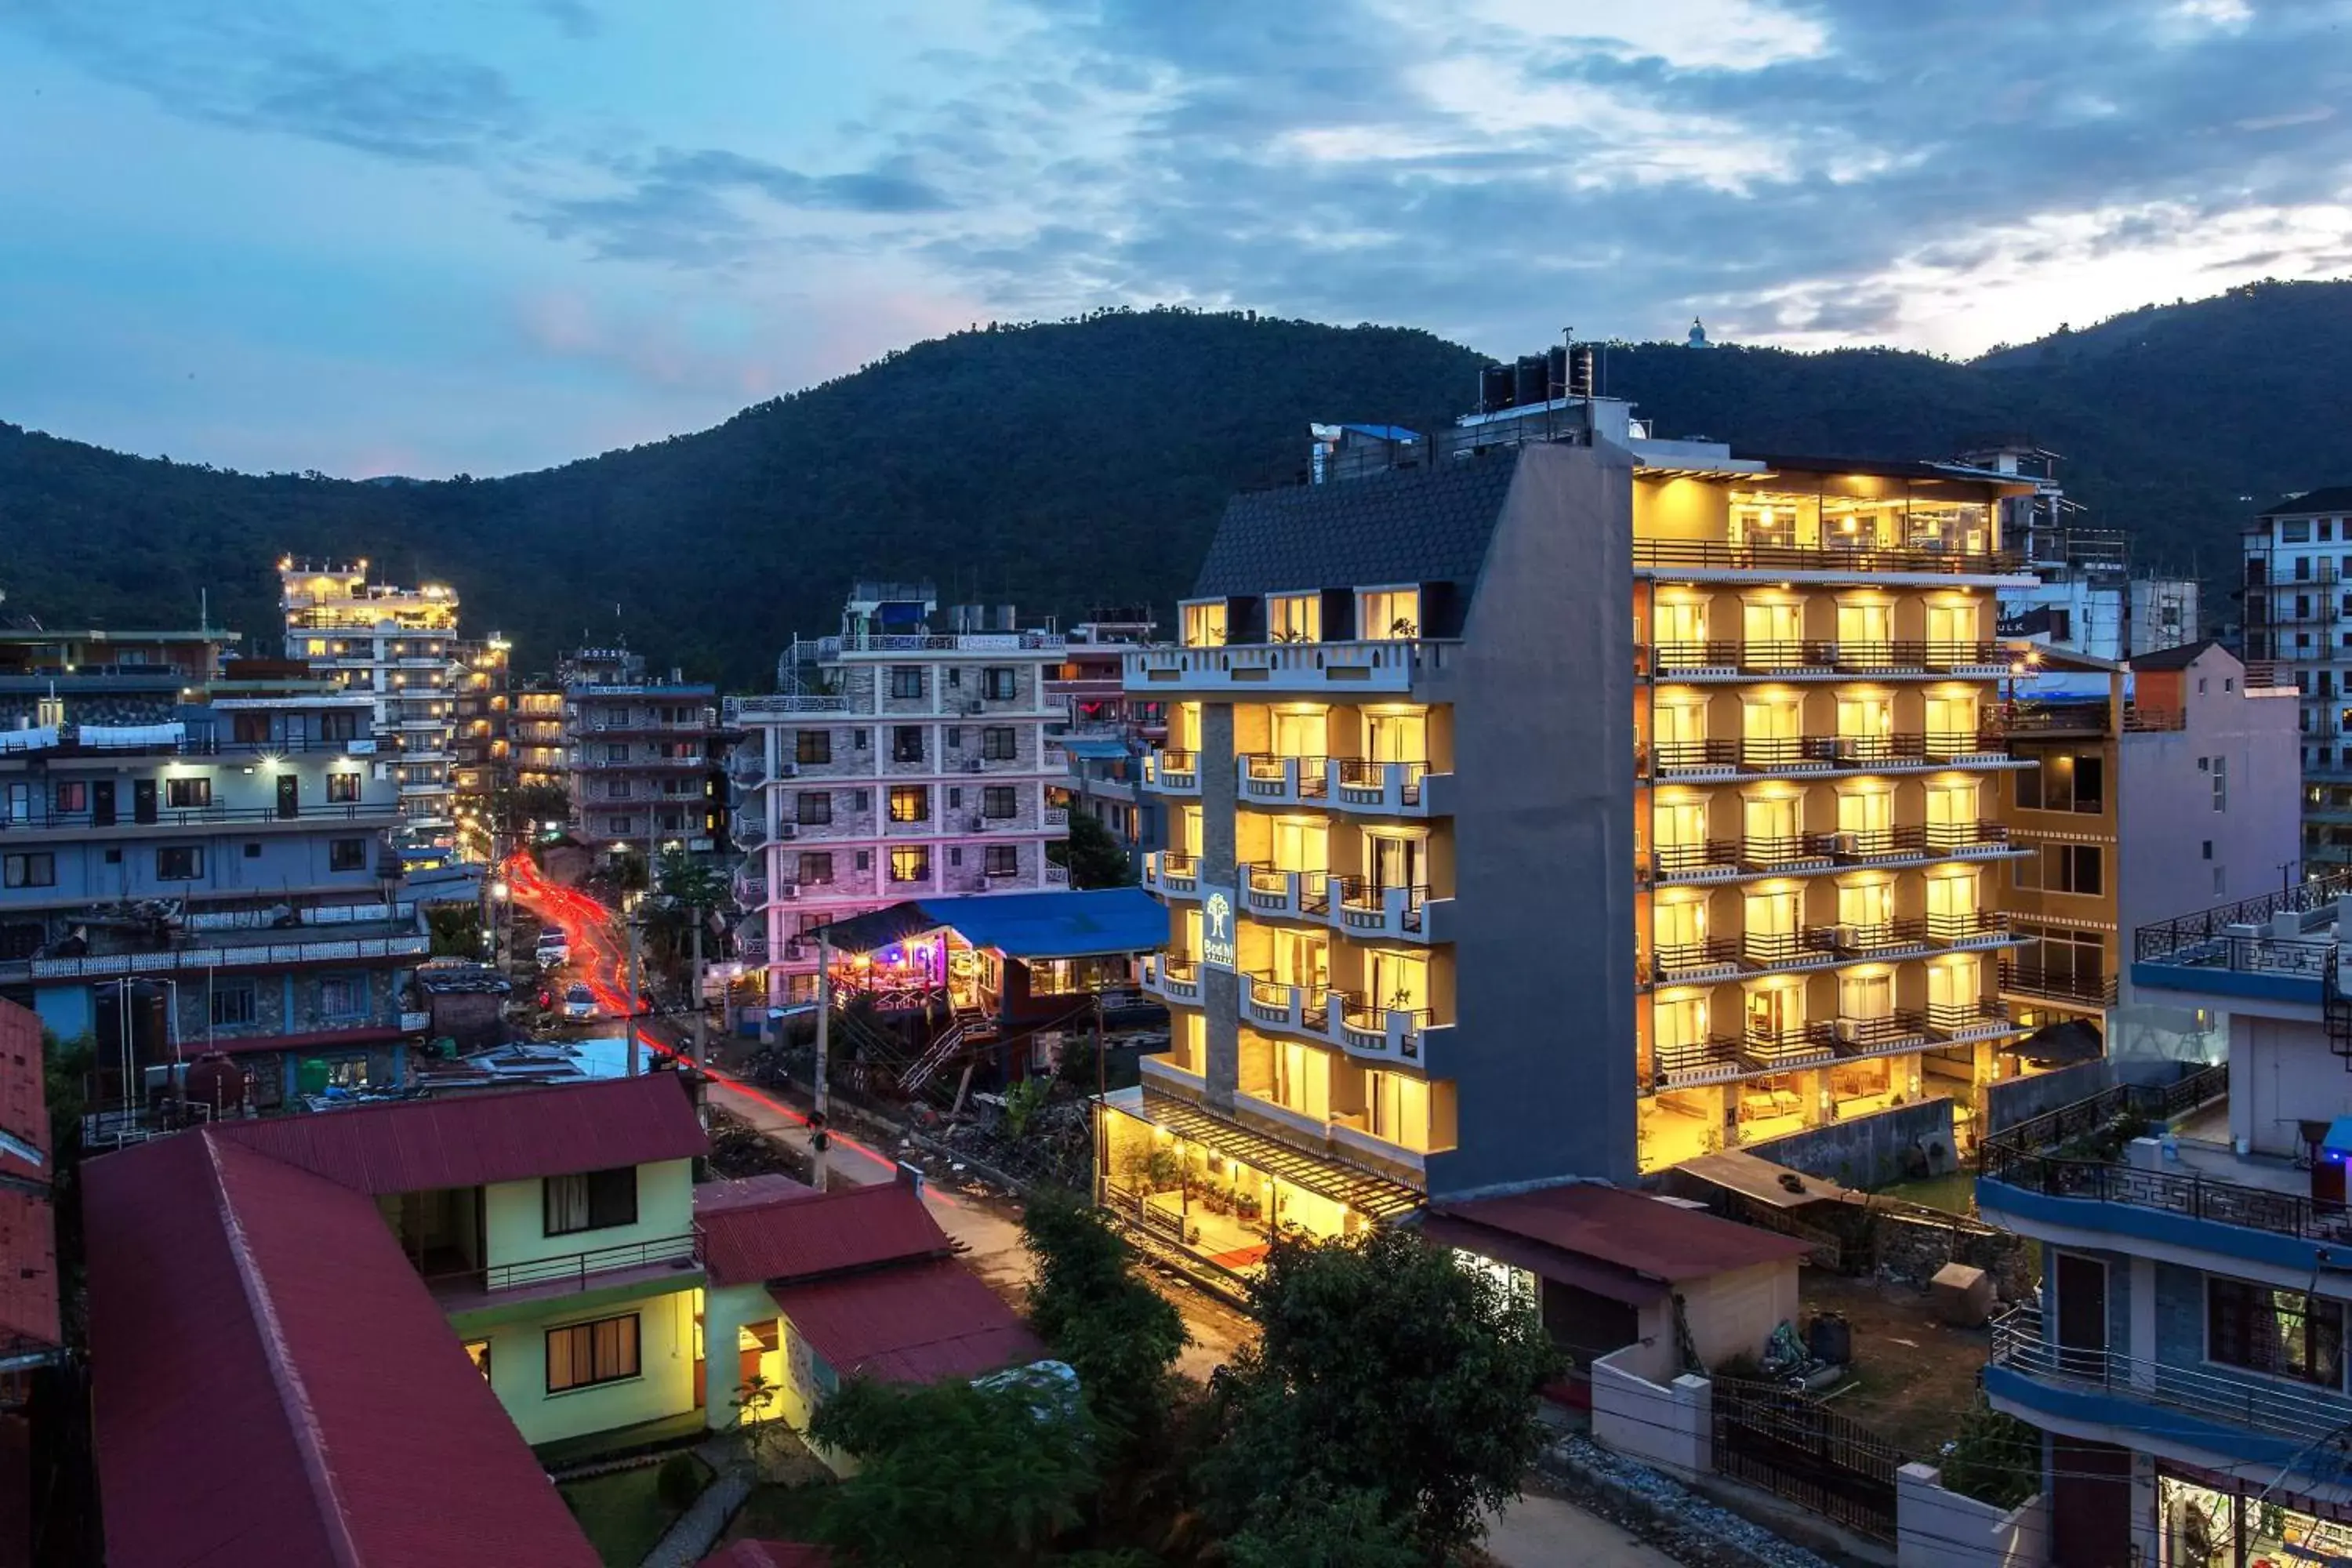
[401, 647]
[1581, 802]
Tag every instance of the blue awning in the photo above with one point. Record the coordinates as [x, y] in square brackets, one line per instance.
[1058, 925]
[1093, 746]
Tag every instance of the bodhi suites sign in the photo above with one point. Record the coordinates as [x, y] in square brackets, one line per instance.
[1217, 930]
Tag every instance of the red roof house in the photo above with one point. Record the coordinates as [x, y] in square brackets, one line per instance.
[29, 1333]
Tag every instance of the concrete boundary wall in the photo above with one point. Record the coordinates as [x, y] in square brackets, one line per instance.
[1671, 1425]
[1939, 1529]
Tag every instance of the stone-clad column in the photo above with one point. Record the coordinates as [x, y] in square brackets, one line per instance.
[1220, 992]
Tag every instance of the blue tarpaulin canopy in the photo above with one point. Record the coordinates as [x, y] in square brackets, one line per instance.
[1094, 746]
[1058, 925]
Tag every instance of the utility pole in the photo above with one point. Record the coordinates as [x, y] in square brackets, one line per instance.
[818, 1137]
[699, 1010]
[630, 1022]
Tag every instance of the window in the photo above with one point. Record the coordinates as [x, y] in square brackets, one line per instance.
[857, 739]
[911, 864]
[812, 748]
[955, 737]
[347, 854]
[234, 1001]
[2221, 784]
[1002, 860]
[955, 854]
[999, 683]
[2063, 869]
[816, 868]
[814, 809]
[618, 826]
[343, 789]
[478, 1353]
[859, 801]
[1204, 625]
[339, 726]
[955, 676]
[592, 1200]
[996, 800]
[1294, 617]
[2064, 783]
[911, 803]
[906, 680]
[73, 796]
[180, 863]
[2326, 530]
[187, 793]
[1389, 612]
[343, 995]
[585, 1354]
[616, 752]
[2208, 849]
[997, 744]
[616, 789]
[2283, 1332]
[865, 860]
[906, 744]
[34, 870]
[2295, 533]
[252, 850]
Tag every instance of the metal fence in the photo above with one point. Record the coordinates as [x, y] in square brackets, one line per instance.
[1785, 1441]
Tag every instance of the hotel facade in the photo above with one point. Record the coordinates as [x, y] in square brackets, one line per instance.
[1564, 803]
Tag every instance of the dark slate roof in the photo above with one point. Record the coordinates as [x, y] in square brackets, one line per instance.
[2336, 499]
[1409, 525]
[2180, 657]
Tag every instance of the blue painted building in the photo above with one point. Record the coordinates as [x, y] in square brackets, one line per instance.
[2187, 1365]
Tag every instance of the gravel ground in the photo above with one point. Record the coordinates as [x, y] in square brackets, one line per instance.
[1665, 1513]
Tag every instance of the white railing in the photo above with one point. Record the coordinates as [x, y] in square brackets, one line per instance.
[929, 642]
[1370, 665]
[783, 704]
[250, 956]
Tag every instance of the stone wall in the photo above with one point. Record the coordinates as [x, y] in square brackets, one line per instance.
[1912, 1244]
[1869, 1150]
[2020, 1099]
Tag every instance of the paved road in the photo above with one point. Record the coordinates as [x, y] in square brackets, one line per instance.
[1541, 1530]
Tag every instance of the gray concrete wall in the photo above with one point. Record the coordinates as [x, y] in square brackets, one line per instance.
[2167, 801]
[1868, 1150]
[2017, 1100]
[1543, 714]
[1219, 990]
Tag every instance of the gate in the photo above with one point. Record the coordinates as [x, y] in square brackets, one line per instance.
[1783, 1440]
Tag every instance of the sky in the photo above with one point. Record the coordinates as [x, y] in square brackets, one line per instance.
[427, 237]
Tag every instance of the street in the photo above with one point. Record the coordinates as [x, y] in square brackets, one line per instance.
[1534, 1531]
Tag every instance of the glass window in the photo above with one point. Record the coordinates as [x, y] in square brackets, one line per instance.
[906, 744]
[1294, 617]
[591, 1200]
[911, 803]
[911, 863]
[584, 1354]
[997, 801]
[906, 680]
[1387, 614]
[478, 1353]
[343, 789]
[343, 995]
[812, 748]
[2283, 1332]
[816, 867]
[347, 854]
[179, 863]
[998, 744]
[233, 1002]
[1204, 625]
[187, 793]
[1002, 860]
[814, 807]
[999, 683]
[73, 795]
[2221, 784]
[30, 871]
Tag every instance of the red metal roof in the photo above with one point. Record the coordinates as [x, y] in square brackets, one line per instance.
[747, 1191]
[769, 1554]
[272, 1383]
[413, 1146]
[810, 1234]
[28, 1245]
[917, 1323]
[318, 1039]
[1662, 1240]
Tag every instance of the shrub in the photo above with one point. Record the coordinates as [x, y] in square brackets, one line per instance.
[678, 1482]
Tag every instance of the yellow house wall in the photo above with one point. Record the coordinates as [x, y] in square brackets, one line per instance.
[663, 1385]
[514, 1216]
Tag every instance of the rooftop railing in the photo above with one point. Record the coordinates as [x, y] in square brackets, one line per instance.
[1724, 555]
[2237, 936]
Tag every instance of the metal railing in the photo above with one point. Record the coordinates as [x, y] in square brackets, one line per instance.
[1861, 1036]
[1958, 1017]
[1685, 957]
[247, 955]
[1887, 936]
[2206, 937]
[40, 814]
[1869, 557]
[2259, 1403]
[1715, 1053]
[1785, 850]
[576, 1268]
[1686, 859]
[1969, 925]
[2058, 986]
[1781, 1048]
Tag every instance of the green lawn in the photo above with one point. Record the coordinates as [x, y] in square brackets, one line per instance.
[779, 1514]
[622, 1513]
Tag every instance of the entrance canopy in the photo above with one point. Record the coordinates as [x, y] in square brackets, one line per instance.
[1063, 923]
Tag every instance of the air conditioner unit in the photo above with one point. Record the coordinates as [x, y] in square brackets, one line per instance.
[788, 770]
[971, 765]
[1846, 843]
[1847, 937]
[788, 891]
[788, 830]
[1846, 1031]
[979, 825]
[975, 707]
[1846, 748]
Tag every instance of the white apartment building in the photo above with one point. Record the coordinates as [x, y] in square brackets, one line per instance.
[399, 646]
[901, 762]
[2298, 615]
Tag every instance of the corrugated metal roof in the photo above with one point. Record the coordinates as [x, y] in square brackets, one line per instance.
[28, 1243]
[769, 1554]
[1630, 1230]
[1068, 924]
[413, 1146]
[913, 1324]
[811, 1234]
[1543, 1261]
[272, 1383]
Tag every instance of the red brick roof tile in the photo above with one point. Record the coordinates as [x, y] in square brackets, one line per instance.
[810, 1234]
[917, 1323]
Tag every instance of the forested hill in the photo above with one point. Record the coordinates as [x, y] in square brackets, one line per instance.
[1065, 466]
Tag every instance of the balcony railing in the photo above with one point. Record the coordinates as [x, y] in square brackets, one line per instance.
[1276, 890]
[1175, 772]
[1710, 856]
[1791, 1046]
[40, 814]
[2272, 1405]
[1862, 1036]
[217, 955]
[1171, 872]
[2227, 937]
[1671, 961]
[1788, 849]
[1265, 776]
[1173, 975]
[1874, 559]
[574, 1270]
[1969, 927]
[1359, 777]
[1393, 1031]
[2058, 986]
[1696, 1061]
[1665, 758]
[1773, 950]
[1883, 940]
[1952, 1019]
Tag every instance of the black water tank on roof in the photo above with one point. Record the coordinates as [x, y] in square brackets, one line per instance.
[1529, 387]
[1495, 383]
[1555, 372]
[1580, 372]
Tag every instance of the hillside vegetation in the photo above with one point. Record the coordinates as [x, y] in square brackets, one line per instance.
[1071, 465]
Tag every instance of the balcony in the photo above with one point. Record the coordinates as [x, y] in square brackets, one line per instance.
[1778, 1050]
[1172, 872]
[1054, 876]
[1687, 963]
[1971, 928]
[1056, 819]
[781, 705]
[1273, 893]
[1688, 759]
[1364, 909]
[751, 892]
[1887, 939]
[752, 948]
[1715, 1060]
[1766, 951]
[467, 1290]
[1394, 1033]
[1173, 772]
[749, 830]
[1274, 1004]
[1785, 852]
[1265, 779]
[1706, 860]
[1696, 662]
[2256, 947]
[221, 954]
[1982, 1019]
[1851, 1038]
[38, 815]
[748, 767]
[1388, 788]
[1173, 977]
[1755, 561]
[1387, 667]
[2300, 1418]
[2069, 987]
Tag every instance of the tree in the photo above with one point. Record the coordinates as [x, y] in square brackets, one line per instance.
[514, 808]
[1384, 1368]
[456, 930]
[1322, 1529]
[1996, 1458]
[1094, 857]
[950, 1473]
[1087, 1302]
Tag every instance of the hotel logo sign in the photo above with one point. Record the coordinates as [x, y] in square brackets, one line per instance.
[1217, 930]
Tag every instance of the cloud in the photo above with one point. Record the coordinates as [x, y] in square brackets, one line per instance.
[576, 18]
[683, 208]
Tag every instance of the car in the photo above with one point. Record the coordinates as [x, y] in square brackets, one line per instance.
[554, 950]
[579, 1001]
